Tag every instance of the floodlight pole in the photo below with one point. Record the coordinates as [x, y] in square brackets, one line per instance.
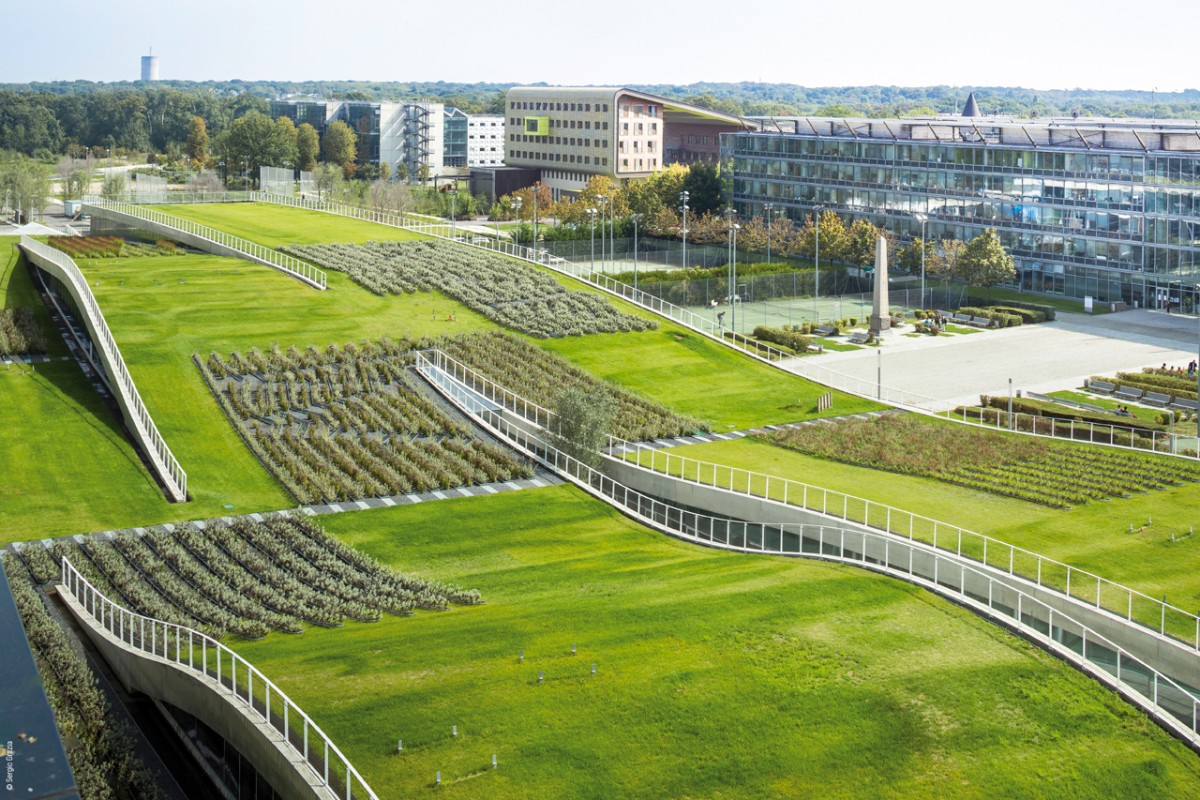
[635, 218]
[535, 219]
[517, 214]
[454, 211]
[591, 212]
[922, 218]
[817, 261]
[768, 208]
[683, 208]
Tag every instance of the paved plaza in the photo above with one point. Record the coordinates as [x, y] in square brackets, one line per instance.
[946, 371]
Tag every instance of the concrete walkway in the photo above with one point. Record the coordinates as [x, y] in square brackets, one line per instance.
[955, 370]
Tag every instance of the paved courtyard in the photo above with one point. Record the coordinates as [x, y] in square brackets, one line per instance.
[945, 371]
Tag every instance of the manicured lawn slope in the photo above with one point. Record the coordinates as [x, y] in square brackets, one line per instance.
[698, 377]
[719, 675]
[275, 226]
[1094, 536]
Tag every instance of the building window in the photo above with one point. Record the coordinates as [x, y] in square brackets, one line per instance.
[654, 127]
[587, 159]
[624, 162]
[652, 110]
[587, 124]
[605, 109]
[624, 110]
[587, 106]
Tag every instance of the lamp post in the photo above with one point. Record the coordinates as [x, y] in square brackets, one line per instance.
[535, 220]
[612, 232]
[817, 260]
[517, 213]
[591, 212]
[453, 190]
[683, 209]
[635, 219]
[733, 230]
[922, 218]
[767, 209]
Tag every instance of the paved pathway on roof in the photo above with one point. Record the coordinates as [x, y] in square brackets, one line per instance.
[956, 370]
[540, 479]
[705, 438]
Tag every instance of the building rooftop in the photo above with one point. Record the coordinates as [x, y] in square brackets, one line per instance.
[1085, 133]
[669, 106]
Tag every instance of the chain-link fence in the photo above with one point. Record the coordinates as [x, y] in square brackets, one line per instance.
[308, 184]
[617, 255]
[149, 188]
[277, 180]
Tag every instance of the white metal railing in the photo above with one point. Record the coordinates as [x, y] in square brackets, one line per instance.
[1047, 573]
[301, 270]
[943, 573]
[163, 461]
[442, 230]
[864, 387]
[213, 662]
[1109, 435]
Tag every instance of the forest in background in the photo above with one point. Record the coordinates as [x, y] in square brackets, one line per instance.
[47, 118]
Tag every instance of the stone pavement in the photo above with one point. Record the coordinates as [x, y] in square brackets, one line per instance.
[955, 370]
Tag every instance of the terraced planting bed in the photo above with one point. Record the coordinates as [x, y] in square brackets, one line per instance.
[1027, 468]
[505, 290]
[245, 578]
[541, 376]
[80, 247]
[348, 423]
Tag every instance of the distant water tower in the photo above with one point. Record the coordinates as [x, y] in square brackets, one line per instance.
[150, 67]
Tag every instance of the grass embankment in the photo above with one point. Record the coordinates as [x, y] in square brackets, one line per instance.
[718, 675]
[275, 226]
[673, 365]
[1094, 536]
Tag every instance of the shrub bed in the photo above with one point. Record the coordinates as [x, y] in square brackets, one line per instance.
[541, 376]
[786, 336]
[347, 423]
[504, 290]
[20, 332]
[1036, 470]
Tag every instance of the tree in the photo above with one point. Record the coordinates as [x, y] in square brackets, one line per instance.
[26, 184]
[339, 146]
[859, 243]
[255, 140]
[74, 178]
[582, 421]
[113, 187]
[328, 178]
[308, 145]
[984, 262]
[706, 193]
[286, 137]
[197, 142]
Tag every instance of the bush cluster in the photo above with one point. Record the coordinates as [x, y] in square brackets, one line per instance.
[787, 336]
[20, 333]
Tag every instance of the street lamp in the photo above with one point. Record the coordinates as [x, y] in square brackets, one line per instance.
[635, 219]
[453, 190]
[817, 260]
[591, 212]
[612, 232]
[683, 209]
[517, 214]
[922, 218]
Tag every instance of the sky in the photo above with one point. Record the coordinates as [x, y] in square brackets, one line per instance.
[1038, 44]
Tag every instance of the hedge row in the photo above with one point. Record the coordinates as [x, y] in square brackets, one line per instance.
[784, 337]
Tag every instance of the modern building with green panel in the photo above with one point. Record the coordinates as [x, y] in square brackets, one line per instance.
[1107, 208]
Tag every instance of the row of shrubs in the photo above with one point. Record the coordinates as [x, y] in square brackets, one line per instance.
[1046, 312]
[1162, 381]
[999, 318]
[1040, 408]
[788, 336]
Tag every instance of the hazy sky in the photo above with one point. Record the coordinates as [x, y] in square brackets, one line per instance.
[1041, 44]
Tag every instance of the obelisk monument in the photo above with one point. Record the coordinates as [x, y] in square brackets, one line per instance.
[881, 316]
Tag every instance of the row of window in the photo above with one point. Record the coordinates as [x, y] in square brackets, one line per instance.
[638, 110]
[538, 105]
[497, 136]
[639, 129]
[562, 123]
[567, 158]
[640, 164]
[570, 141]
[638, 146]
[692, 139]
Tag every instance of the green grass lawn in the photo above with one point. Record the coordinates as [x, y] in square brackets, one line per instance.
[17, 291]
[718, 675]
[275, 226]
[1094, 536]
[696, 376]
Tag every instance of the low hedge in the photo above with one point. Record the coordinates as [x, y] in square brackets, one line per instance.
[780, 336]
[1046, 426]
[1041, 408]
[1027, 315]
[1048, 311]
[1153, 380]
[1000, 319]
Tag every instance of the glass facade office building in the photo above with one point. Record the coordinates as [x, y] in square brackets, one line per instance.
[1101, 208]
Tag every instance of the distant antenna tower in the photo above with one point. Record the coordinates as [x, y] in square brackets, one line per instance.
[150, 66]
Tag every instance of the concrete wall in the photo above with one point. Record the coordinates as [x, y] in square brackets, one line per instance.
[209, 701]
